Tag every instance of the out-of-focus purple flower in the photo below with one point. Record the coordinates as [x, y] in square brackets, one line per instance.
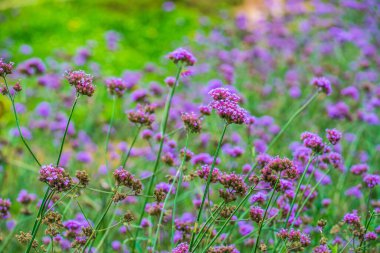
[43, 109]
[84, 157]
[371, 180]
[81, 81]
[33, 66]
[168, 6]
[333, 136]
[181, 248]
[5, 68]
[5, 205]
[26, 49]
[25, 198]
[359, 169]
[183, 56]
[116, 86]
[351, 92]
[323, 84]
[321, 249]
[352, 218]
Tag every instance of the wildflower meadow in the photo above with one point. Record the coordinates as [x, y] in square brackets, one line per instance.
[189, 127]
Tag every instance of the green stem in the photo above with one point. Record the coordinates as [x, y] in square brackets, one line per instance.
[110, 126]
[156, 237]
[18, 124]
[297, 190]
[179, 183]
[158, 158]
[124, 162]
[67, 127]
[202, 232]
[207, 186]
[228, 220]
[265, 214]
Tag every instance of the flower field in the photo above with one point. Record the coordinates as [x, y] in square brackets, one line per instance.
[171, 127]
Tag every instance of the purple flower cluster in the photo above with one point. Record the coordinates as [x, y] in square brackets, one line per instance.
[143, 115]
[5, 68]
[5, 205]
[333, 136]
[33, 66]
[192, 122]
[256, 213]
[125, 178]
[116, 86]
[56, 177]
[81, 81]
[313, 141]
[371, 180]
[323, 84]
[225, 103]
[181, 248]
[183, 56]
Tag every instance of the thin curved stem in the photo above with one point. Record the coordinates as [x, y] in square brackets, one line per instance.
[156, 237]
[124, 162]
[298, 189]
[110, 127]
[207, 185]
[158, 158]
[265, 214]
[228, 220]
[67, 127]
[18, 124]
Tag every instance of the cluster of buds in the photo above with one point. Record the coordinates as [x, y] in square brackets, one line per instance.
[116, 86]
[81, 81]
[223, 249]
[183, 229]
[143, 115]
[313, 141]
[5, 68]
[5, 205]
[56, 177]
[83, 178]
[296, 239]
[181, 248]
[227, 211]
[53, 220]
[192, 122]
[256, 213]
[25, 199]
[183, 56]
[187, 154]
[333, 136]
[24, 239]
[154, 209]
[323, 84]
[225, 103]
[128, 217]
[276, 167]
[234, 185]
[124, 178]
[205, 171]
[162, 189]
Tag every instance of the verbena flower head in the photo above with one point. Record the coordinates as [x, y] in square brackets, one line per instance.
[234, 185]
[181, 55]
[223, 249]
[125, 178]
[313, 141]
[352, 218]
[333, 136]
[370, 236]
[5, 68]
[116, 86]
[192, 122]
[25, 198]
[321, 249]
[33, 66]
[256, 213]
[359, 169]
[371, 180]
[81, 81]
[5, 205]
[143, 115]
[181, 248]
[323, 84]
[205, 171]
[56, 177]
[225, 103]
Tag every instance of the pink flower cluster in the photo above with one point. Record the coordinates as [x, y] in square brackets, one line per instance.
[226, 105]
[181, 248]
[183, 56]
[116, 86]
[56, 177]
[5, 68]
[143, 115]
[192, 122]
[125, 178]
[313, 141]
[323, 84]
[81, 81]
[5, 205]
[256, 213]
[333, 136]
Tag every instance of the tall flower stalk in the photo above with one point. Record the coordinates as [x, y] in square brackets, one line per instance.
[181, 58]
